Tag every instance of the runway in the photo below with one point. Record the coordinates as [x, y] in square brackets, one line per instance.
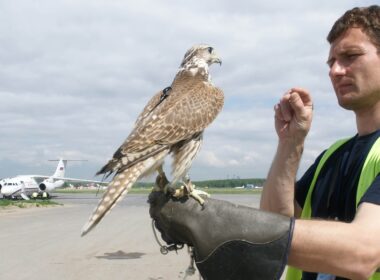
[45, 243]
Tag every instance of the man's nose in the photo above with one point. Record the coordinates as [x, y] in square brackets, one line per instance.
[337, 69]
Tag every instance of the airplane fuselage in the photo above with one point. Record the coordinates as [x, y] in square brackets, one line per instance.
[13, 187]
[31, 185]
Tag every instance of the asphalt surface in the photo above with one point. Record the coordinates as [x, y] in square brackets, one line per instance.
[45, 243]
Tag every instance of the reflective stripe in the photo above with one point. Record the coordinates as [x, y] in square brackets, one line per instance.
[370, 170]
[306, 210]
[293, 273]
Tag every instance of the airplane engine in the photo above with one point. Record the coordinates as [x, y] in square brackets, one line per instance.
[49, 186]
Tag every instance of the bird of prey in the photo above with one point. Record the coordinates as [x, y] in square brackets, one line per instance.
[172, 122]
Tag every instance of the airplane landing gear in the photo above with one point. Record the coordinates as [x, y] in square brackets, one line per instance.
[45, 195]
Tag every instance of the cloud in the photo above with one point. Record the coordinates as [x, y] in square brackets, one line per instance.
[74, 76]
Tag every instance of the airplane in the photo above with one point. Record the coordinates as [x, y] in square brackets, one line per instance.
[26, 186]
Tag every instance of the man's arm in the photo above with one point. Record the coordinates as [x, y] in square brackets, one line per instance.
[351, 250]
[278, 191]
[293, 115]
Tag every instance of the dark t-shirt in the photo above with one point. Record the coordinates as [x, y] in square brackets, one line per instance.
[334, 194]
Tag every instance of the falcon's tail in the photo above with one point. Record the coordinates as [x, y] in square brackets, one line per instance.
[117, 189]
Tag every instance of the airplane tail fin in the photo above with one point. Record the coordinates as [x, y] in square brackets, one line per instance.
[61, 168]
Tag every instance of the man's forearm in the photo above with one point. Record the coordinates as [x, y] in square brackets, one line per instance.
[333, 247]
[278, 191]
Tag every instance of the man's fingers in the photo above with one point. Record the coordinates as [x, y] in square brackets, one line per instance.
[296, 103]
[304, 95]
[300, 101]
[277, 112]
[280, 122]
[285, 107]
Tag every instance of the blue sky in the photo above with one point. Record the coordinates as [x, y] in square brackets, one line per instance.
[75, 74]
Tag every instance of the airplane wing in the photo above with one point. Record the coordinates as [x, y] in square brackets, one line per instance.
[78, 180]
[67, 179]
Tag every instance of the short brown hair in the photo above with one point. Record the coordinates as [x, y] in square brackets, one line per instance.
[365, 18]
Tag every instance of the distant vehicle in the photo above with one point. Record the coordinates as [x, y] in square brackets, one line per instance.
[252, 186]
[26, 186]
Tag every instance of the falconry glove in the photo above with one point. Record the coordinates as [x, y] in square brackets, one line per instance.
[229, 241]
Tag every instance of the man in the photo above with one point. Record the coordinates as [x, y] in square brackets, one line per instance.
[350, 248]
[341, 189]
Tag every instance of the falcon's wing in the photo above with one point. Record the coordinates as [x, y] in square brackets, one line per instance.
[188, 109]
[182, 114]
[114, 163]
[150, 106]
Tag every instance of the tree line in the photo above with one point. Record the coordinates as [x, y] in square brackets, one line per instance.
[223, 183]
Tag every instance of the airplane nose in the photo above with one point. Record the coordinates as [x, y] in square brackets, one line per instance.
[3, 189]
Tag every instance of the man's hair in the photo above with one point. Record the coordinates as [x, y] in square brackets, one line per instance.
[365, 18]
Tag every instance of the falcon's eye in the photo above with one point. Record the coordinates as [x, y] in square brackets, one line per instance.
[210, 49]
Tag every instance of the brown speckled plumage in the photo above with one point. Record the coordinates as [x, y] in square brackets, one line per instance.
[174, 125]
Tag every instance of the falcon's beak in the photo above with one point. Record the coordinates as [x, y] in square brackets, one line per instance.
[215, 59]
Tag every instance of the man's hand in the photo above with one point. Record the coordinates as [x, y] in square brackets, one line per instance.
[293, 115]
[230, 241]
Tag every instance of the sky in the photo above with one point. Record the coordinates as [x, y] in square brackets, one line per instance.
[74, 75]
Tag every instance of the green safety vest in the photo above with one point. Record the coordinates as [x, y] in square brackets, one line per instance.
[371, 169]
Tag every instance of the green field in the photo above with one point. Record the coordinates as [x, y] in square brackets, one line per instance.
[26, 203]
[224, 186]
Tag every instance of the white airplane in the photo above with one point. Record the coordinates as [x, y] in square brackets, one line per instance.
[28, 186]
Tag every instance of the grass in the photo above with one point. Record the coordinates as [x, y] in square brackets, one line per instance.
[4, 203]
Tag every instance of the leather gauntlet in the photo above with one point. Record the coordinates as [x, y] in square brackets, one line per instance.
[230, 241]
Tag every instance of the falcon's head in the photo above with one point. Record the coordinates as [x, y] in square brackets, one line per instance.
[200, 56]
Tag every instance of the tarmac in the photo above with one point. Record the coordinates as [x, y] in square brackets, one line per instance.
[45, 243]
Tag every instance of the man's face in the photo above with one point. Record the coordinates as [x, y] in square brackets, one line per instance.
[355, 70]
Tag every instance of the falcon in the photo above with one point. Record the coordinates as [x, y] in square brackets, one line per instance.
[173, 123]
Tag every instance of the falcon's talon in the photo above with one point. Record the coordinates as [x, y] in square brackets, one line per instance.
[188, 189]
[179, 193]
[169, 190]
[197, 197]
